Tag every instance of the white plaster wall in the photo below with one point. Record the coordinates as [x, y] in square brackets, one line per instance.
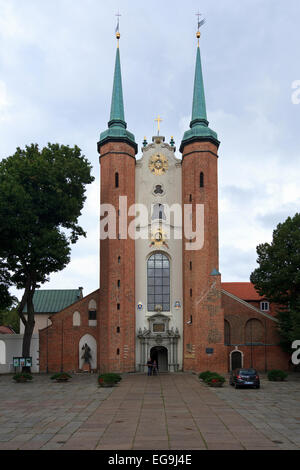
[13, 344]
[40, 323]
[145, 183]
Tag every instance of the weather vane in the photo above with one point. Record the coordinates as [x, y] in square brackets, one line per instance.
[200, 23]
[118, 35]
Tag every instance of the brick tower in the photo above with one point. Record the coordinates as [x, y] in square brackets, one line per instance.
[117, 149]
[203, 317]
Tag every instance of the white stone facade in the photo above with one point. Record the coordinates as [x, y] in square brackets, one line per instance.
[168, 324]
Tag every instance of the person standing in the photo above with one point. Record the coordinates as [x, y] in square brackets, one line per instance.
[149, 364]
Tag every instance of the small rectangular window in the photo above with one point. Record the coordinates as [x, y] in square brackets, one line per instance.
[118, 306]
[265, 306]
[92, 315]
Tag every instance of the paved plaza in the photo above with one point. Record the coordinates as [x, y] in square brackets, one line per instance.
[171, 411]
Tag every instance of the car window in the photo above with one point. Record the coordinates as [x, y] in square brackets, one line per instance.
[248, 371]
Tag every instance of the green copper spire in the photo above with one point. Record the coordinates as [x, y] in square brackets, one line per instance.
[117, 105]
[199, 129]
[117, 127]
[199, 107]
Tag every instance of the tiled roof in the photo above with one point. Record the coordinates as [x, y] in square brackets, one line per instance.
[243, 290]
[6, 330]
[53, 301]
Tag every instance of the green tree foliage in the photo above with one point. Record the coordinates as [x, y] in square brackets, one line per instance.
[278, 276]
[10, 318]
[42, 193]
[5, 282]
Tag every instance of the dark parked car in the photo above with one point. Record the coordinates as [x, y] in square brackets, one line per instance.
[244, 378]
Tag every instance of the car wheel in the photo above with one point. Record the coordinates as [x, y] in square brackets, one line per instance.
[257, 386]
[236, 386]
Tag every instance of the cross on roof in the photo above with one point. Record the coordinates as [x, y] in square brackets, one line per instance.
[159, 120]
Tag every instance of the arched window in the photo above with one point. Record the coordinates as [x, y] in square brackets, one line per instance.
[76, 319]
[158, 212]
[2, 352]
[201, 180]
[116, 180]
[226, 332]
[254, 331]
[158, 266]
[92, 313]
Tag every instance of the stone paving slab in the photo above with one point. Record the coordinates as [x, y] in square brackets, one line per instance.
[274, 409]
[171, 411]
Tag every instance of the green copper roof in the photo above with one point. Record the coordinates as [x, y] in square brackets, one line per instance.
[199, 129]
[53, 301]
[117, 125]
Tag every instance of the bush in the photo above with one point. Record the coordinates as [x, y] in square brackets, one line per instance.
[61, 376]
[22, 377]
[276, 375]
[109, 378]
[205, 375]
[214, 379]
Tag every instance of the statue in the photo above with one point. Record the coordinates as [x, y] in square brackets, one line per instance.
[87, 354]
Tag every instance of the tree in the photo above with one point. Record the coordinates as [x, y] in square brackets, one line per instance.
[41, 197]
[10, 318]
[278, 277]
[5, 282]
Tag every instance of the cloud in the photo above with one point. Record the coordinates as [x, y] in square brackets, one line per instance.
[57, 59]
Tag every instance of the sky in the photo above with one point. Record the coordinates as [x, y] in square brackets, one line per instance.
[56, 71]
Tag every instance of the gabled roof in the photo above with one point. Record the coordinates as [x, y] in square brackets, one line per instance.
[52, 301]
[243, 290]
[251, 307]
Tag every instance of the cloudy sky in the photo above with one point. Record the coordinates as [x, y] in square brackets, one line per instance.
[56, 70]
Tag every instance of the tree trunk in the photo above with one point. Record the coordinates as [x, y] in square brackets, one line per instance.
[29, 324]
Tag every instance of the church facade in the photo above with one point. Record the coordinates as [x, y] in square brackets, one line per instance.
[160, 293]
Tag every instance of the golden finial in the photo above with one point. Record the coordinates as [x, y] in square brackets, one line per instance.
[200, 23]
[118, 35]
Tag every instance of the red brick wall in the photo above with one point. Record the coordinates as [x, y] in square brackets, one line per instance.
[263, 357]
[59, 343]
[207, 329]
[117, 157]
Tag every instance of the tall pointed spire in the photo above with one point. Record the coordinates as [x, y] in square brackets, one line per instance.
[199, 107]
[117, 104]
[117, 126]
[199, 129]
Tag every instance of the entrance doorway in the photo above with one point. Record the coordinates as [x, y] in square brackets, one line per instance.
[236, 360]
[160, 355]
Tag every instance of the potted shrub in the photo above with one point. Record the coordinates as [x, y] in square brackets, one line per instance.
[205, 375]
[277, 375]
[22, 377]
[109, 379]
[214, 380]
[61, 377]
